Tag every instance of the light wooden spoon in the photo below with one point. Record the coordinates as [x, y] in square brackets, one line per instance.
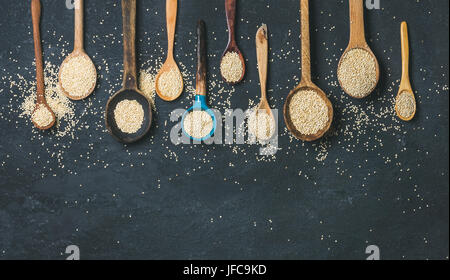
[262, 51]
[306, 82]
[40, 91]
[358, 39]
[171, 17]
[78, 50]
[405, 84]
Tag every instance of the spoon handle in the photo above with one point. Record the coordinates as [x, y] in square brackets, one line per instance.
[36, 16]
[230, 9]
[201, 59]
[357, 33]
[405, 51]
[79, 14]
[129, 41]
[262, 52]
[306, 52]
[171, 18]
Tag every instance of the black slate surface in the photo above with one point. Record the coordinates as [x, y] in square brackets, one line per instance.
[136, 202]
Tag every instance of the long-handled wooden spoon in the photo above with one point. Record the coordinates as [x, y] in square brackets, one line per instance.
[262, 52]
[358, 41]
[129, 90]
[170, 64]
[306, 82]
[405, 84]
[40, 91]
[230, 8]
[79, 52]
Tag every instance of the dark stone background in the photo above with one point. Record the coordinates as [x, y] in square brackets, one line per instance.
[147, 212]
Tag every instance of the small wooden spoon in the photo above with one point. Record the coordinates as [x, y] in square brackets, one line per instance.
[230, 8]
[171, 17]
[306, 82]
[262, 51]
[78, 51]
[405, 84]
[40, 92]
[129, 90]
[358, 38]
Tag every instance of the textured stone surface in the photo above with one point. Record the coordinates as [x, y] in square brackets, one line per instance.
[146, 212]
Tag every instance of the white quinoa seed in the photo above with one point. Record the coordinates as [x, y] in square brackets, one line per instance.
[170, 83]
[147, 85]
[198, 124]
[78, 76]
[357, 73]
[231, 67]
[308, 112]
[129, 116]
[261, 125]
[406, 105]
[42, 116]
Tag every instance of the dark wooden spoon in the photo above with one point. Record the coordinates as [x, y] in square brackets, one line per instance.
[40, 91]
[230, 8]
[129, 90]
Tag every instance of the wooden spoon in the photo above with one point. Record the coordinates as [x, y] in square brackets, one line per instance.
[262, 51]
[230, 8]
[171, 17]
[40, 91]
[306, 82]
[358, 39]
[78, 51]
[405, 84]
[129, 90]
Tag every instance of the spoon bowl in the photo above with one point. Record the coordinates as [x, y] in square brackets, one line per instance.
[358, 41]
[114, 130]
[200, 105]
[405, 84]
[230, 8]
[170, 63]
[287, 116]
[73, 55]
[40, 86]
[78, 52]
[166, 68]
